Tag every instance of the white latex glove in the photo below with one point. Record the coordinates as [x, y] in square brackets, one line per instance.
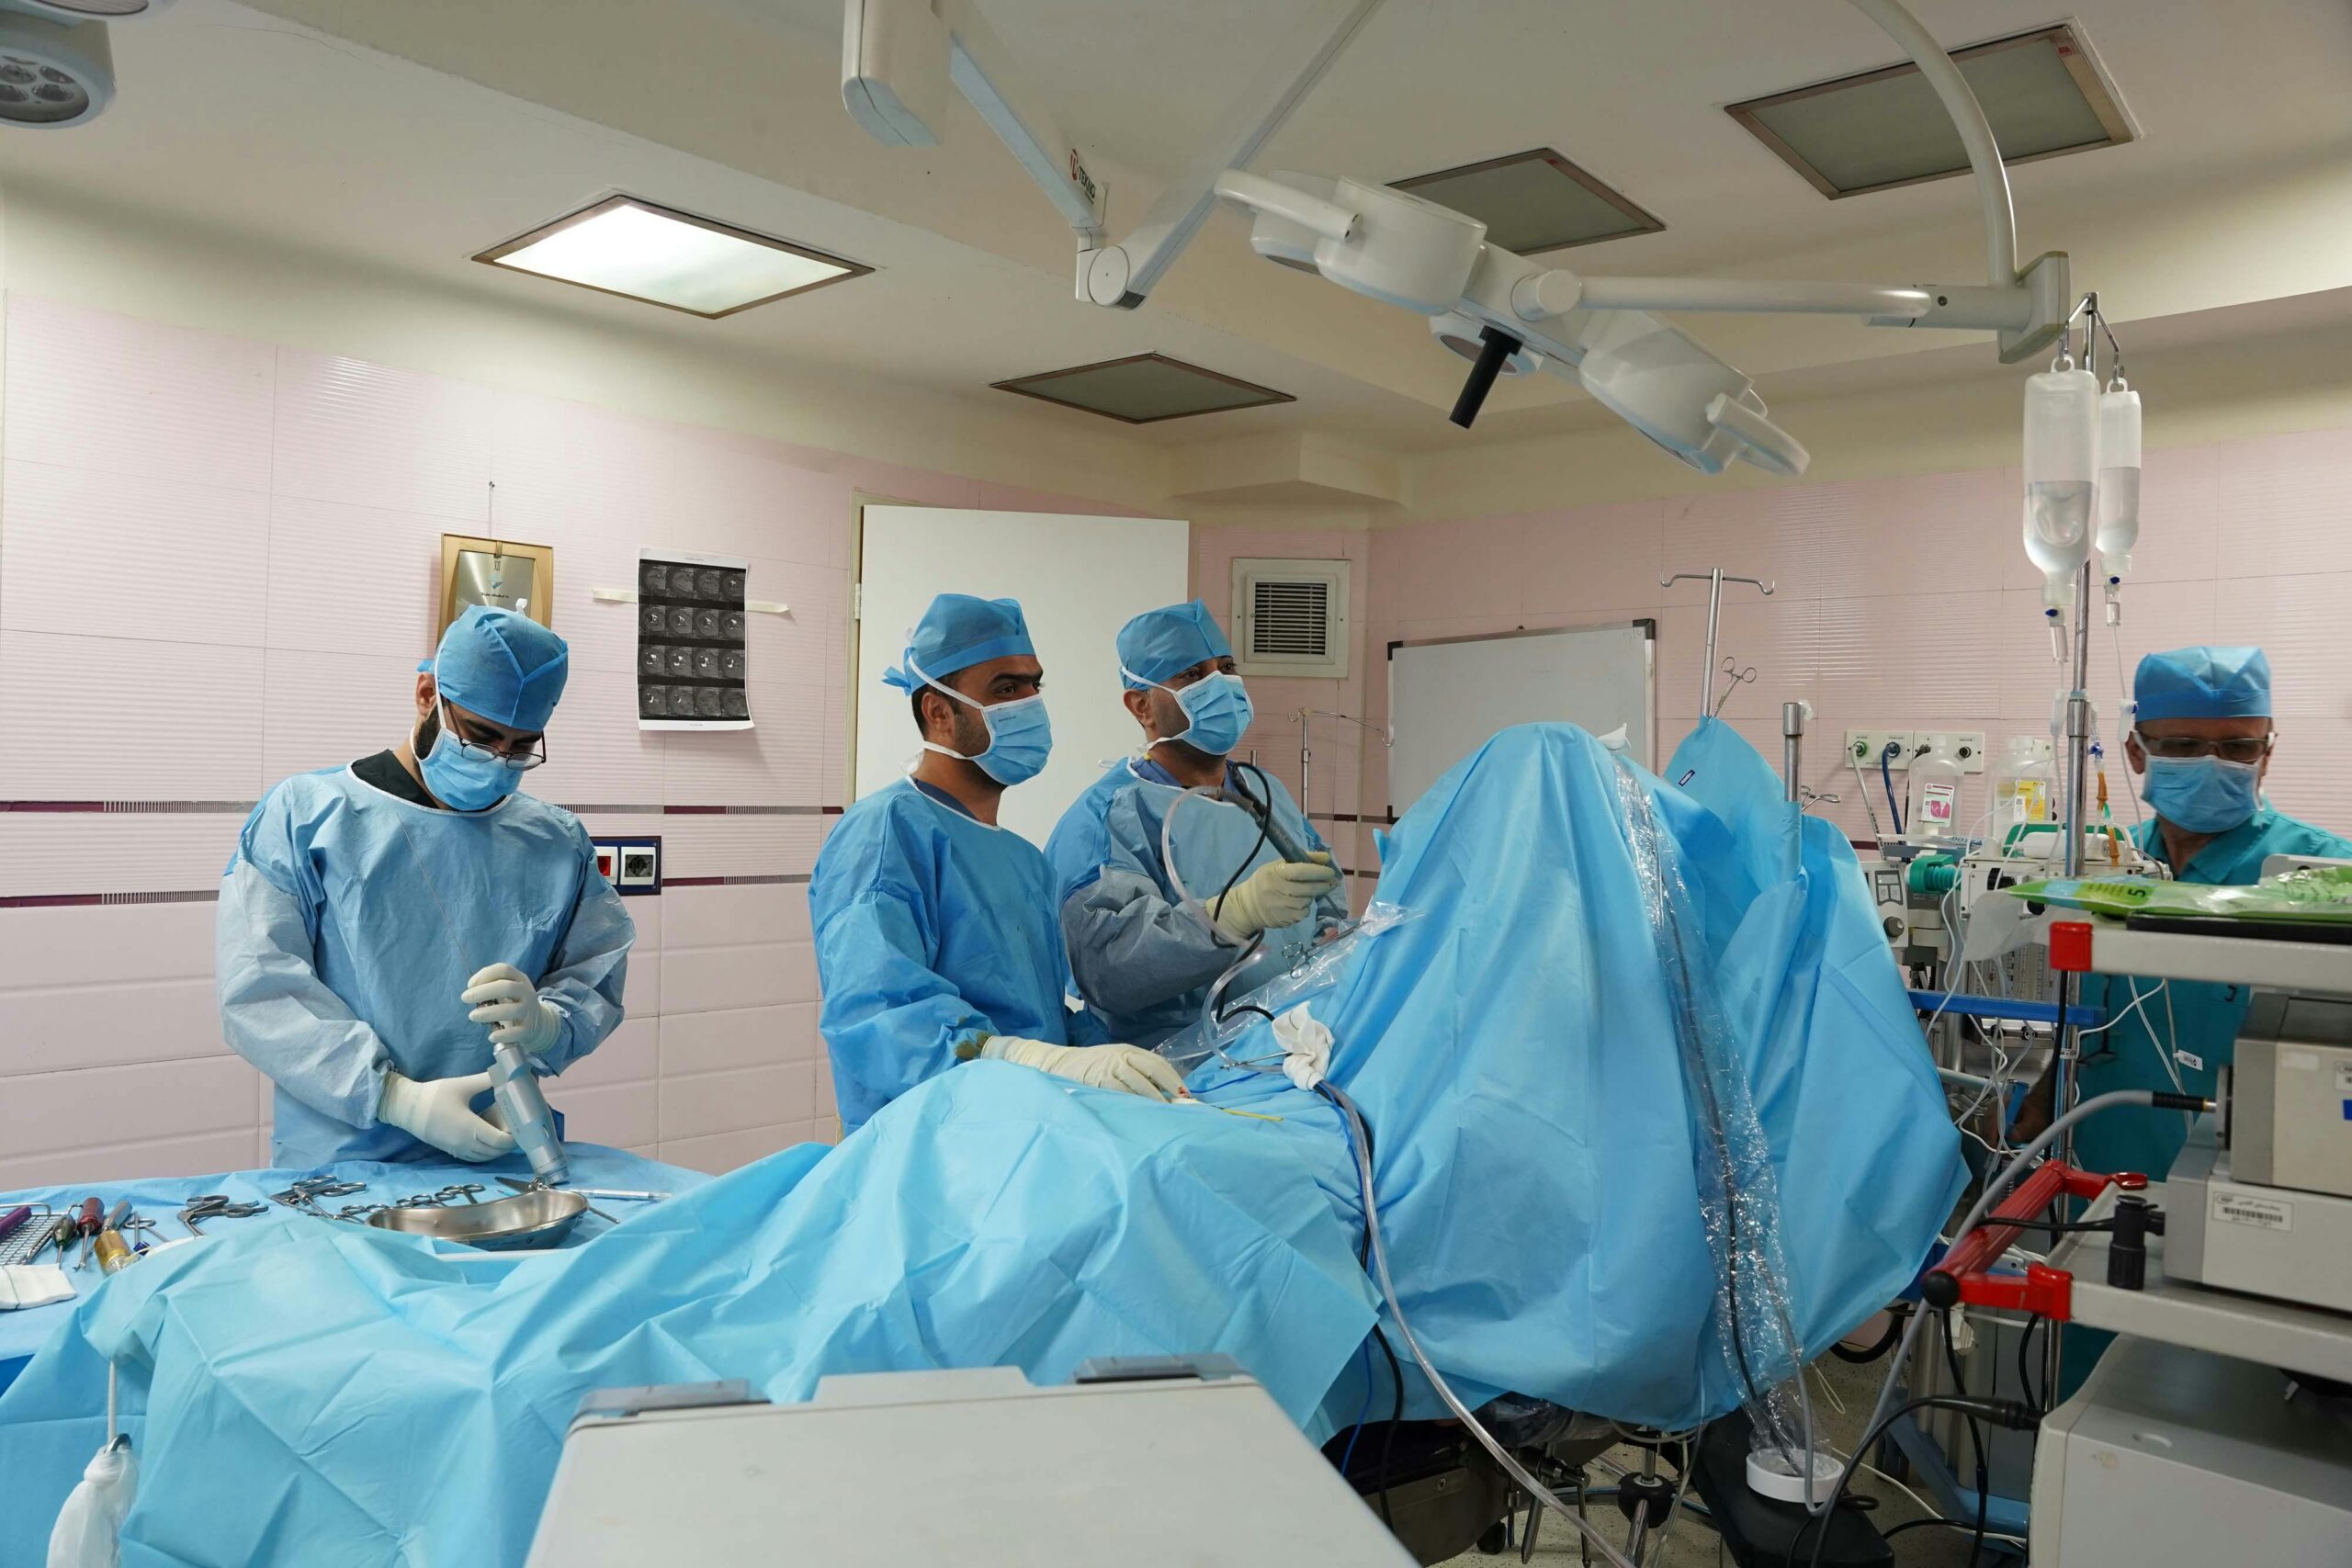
[504, 998]
[1130, 1069]
[436, 1111]
[1277, 894]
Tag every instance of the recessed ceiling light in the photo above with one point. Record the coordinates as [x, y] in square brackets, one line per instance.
[1533, 201]
[635, 249]
[1143, 389]
[2042, 91]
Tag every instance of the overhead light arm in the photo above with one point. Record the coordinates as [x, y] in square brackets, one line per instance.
[1122, 275]
[899, 57]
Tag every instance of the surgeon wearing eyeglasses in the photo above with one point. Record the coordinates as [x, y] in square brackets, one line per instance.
[382, 924]
[2201, 743]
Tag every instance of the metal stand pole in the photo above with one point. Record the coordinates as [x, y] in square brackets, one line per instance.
[1714, 578]
[1793, 749]
[2065, 1087]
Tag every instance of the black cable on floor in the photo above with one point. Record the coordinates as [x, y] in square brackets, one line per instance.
[1976, 1441]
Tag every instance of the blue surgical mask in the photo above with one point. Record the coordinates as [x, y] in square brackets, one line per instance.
[2203, 795]
[1218, 706]
[462, 783]
[1020, 735]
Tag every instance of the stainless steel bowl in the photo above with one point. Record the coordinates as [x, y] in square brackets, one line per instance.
[542, 1218]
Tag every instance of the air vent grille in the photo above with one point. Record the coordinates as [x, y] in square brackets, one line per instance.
[1289, 617]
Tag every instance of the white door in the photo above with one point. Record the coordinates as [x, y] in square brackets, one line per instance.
[1079, 581]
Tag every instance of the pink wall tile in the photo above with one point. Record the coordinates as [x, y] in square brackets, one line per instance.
[596, 753]
[202, 1154]
[728, 1150]
[321, 710]
[49, 1029]
[2299, 622]
[739, 1038]
[42, 1112]
[1906, 655]
[701, 979]
[724, 917]
[1780, 639]
[741, 845]
[368, 435]
[1589, 557]
[44, 855]
[631, 1053]
[2283, 504]
[1946, 532]
[617, 1114]
[121, 719]
[570, 471]
[698, 1104]
[94, 390]
[352, 578]
[95, 946]
[96, 550]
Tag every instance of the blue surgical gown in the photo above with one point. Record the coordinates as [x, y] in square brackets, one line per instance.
[2198, 1018]
[350, 920]
[1143, 963]
[932, 930]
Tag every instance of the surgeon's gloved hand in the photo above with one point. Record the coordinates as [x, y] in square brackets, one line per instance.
[439, 1111]
[504, 998]
[1130, 1069]
[1277, 894]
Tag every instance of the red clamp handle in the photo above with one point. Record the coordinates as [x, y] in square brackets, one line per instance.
[1965, 1275]
[2070, 946]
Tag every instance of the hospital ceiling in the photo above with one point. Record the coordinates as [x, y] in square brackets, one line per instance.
[453, 124]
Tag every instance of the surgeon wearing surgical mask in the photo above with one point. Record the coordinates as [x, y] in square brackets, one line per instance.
[934, 925]
[2201, 743]
[1143, 951]
[382, 924]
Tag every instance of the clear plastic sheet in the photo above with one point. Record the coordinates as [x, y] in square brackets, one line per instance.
[1316, 970]
[1738, 1195]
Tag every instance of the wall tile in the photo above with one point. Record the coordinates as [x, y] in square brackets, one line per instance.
[726, 917]
[43, 855]
[2282, 502]
[1590, 557]
[97, 945]
[617, 1114]
[321, 710]
[740, 1037]
[365, 434]
[42, 1112]
[703, 980]
[630, 1054]
[352, 578]
[91, 389]
[56, 1028]
[201, 1154]
[93, 550]
[120, 720]
[696, 1105]
[727, 1151]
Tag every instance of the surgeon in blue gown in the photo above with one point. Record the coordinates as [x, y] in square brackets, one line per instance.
[381, 924]
[2201, 743]
[935, 935]
[1143, 953]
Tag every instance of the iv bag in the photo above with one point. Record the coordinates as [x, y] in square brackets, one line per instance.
[2118, 480]
[2061, 440]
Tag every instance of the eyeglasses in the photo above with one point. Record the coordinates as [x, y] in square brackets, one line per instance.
[521, 761]
[2184, 748]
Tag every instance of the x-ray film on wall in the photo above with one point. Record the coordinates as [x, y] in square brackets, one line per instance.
[692, 662]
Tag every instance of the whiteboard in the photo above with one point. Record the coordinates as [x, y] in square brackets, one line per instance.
[1079, 580]
[1449, 696]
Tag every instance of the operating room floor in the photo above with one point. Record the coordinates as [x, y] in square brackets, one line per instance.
[1693, 1545]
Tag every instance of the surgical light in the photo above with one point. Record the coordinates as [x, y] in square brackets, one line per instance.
[52, 73]
[633, 248]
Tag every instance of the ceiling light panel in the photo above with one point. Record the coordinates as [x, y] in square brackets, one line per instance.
[639, 251]
[2042, 92]
[1533, 201]
[1144, 389]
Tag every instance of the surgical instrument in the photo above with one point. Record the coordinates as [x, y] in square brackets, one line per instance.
[605, 1192]
[214, 1206]
[465, 1190]
[25, 1230]
[94, 1226]
[86, 1225]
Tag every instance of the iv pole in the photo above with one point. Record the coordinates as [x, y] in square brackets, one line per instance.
[1714, 579]
[1306, 755]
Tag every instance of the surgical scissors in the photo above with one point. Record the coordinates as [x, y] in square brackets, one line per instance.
[214, 1206]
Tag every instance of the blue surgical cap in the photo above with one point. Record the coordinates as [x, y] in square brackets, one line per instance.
[2202, 683]
[957, 632]
[506, 667]
[1160, 645]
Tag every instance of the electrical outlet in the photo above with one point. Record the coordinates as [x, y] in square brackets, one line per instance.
[1965, 747]
[1865, 746]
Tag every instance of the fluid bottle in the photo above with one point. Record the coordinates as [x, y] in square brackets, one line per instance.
[2022, 786]
[2119, 479]
[1933, 810]
[2060, 447]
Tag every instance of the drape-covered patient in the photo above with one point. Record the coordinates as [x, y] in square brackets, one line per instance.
[321, 1393]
